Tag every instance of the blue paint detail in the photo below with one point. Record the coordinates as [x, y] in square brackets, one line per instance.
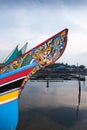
[18, 70]
[9, 115]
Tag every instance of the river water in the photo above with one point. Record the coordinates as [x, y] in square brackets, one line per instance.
[59, 105]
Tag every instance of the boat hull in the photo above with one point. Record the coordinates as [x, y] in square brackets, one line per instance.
[13, 83]
[9, 115]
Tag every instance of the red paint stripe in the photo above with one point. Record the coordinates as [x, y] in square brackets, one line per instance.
[15, 76]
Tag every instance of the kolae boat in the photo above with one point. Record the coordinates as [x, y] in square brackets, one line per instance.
[14, 75]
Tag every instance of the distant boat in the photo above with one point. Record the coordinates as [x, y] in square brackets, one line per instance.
[14, 54]
[14, 75]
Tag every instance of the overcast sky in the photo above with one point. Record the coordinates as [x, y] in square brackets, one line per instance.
[34, 21]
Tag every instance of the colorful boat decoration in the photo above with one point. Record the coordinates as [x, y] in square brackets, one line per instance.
[14, 54]
[14, 75]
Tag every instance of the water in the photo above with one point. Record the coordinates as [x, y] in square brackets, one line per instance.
[60, 106]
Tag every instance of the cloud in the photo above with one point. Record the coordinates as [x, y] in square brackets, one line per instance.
[24, 24]
[42, 2]
[34, 21]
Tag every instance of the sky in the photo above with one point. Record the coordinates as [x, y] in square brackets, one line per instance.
[34, 21]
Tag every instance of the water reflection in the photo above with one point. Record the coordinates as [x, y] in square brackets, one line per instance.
[47, 84]
[53, 105]
[79, 97]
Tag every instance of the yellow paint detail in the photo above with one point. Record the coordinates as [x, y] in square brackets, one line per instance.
[63, 33]
[9, 96]
[23, 60]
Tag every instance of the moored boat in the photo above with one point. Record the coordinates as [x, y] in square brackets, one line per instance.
[14, 75]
